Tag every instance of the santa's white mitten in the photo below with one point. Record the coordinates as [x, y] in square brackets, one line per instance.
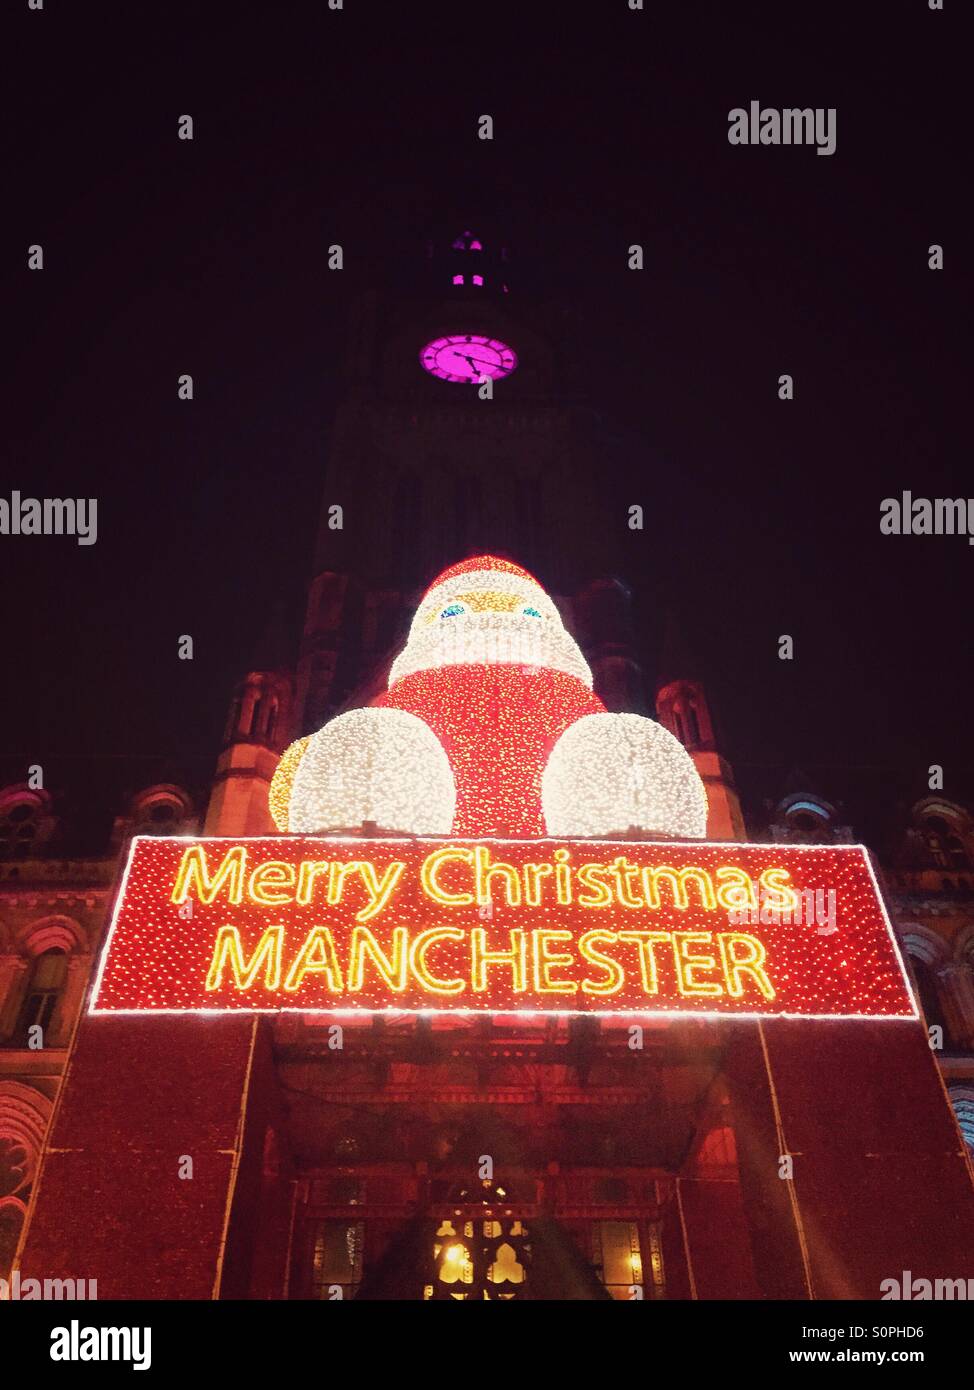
[380, 765]
[609, 773]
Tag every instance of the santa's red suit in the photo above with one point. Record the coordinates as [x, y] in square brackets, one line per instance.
[490, 727]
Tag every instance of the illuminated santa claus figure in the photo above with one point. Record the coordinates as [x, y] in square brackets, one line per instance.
[490, 727]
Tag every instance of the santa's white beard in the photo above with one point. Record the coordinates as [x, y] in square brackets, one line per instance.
[494, 639]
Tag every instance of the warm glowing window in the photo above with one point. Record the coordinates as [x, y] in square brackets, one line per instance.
[477, 1257]
[618, 1257]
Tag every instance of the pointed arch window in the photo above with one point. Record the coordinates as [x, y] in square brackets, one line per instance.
[944, 845]
[48, 976]
[467, 242]
[464, 243]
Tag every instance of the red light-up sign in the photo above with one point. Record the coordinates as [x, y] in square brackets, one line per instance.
[328, 925]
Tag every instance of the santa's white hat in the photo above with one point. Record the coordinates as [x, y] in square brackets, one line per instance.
[488, 611]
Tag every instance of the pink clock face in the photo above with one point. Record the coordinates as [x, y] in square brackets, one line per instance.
[468, 357]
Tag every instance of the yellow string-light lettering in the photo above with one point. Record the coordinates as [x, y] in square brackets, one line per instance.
[391, 972]
[193, 871]
[678, 878]
[544, 961]
[266, 882]
[228, 951]
[429, 876]
[647, 941]
[484, 871]
[481, 958]
[735, 889]
[417, 960]
[316, 957]
[599, 894]
[687, 964]
[751, 962]
[588, 944]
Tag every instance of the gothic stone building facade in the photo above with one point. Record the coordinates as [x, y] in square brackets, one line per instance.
[612, 1170]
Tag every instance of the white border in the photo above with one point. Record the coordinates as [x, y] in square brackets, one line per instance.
[710, 1015]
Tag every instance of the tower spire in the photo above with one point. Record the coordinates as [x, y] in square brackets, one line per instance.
[683, 708]
[258, 729]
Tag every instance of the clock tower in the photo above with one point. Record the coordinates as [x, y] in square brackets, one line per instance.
[459, 432]
[461, 429]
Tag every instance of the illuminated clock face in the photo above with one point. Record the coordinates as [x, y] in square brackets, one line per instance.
[468, 357]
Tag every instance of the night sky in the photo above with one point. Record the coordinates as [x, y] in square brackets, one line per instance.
[359, 127]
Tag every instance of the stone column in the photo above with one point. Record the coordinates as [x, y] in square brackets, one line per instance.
[69, 1005]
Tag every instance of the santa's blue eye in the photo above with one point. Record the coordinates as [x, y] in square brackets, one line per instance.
[530, 612]
[453, 610]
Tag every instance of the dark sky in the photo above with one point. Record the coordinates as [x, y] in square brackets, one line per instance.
[311, 126]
